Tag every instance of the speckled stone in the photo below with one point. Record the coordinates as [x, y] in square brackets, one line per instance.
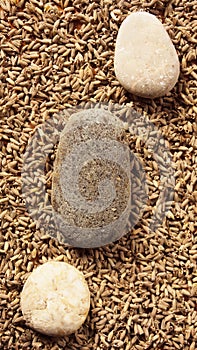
[146, 63]
[55, 299]
[91, 186]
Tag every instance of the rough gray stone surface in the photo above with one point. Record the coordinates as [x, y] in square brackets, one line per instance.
[91, 181]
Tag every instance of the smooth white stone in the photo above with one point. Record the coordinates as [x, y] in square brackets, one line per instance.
[55, 299]
[146, 63]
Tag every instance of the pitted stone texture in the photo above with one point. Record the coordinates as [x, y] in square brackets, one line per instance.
[146, 63]
[91, 186]
[55, 299]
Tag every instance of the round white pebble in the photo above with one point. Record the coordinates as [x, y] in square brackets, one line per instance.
[145, 62]
[55, 299]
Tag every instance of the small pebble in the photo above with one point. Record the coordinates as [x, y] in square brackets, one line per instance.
[146, 63]
[55, 299]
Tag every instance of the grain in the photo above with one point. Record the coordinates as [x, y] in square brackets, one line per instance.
[54, 56]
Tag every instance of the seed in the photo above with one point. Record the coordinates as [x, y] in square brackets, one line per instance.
[52, 58]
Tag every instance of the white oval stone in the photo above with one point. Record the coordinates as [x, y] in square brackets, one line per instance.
[55, 299]
[146, 63]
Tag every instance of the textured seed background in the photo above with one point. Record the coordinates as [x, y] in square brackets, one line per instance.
[54, 55]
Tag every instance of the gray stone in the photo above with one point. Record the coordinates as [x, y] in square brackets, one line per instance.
[145, 62]
[91, 181]
[99, 185]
